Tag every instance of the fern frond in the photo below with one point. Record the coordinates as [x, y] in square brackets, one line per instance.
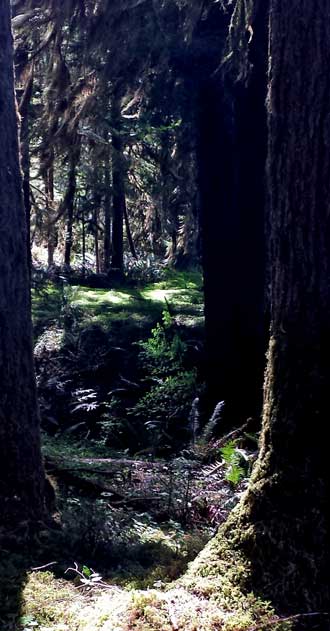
[194, 420]
[213, 422]
[213, 468]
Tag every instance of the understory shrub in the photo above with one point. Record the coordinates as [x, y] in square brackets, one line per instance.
[164, 408]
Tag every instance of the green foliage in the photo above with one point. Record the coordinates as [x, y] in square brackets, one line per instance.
[237, 463]
[164, 409]
[163, 352]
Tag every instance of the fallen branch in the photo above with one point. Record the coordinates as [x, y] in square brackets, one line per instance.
[43, 567]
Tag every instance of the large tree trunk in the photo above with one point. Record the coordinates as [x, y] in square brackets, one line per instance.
[289, 499]
[231, 155]
[282, 525]
[21, 474]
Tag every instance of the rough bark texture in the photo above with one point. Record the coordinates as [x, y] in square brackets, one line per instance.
[283, 524]
[22, 475]
[231, 151]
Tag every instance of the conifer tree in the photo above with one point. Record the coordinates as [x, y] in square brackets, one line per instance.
[22, 475]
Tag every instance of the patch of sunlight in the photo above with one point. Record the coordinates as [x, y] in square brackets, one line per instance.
[90, 298]
[159, 295]
[190, 320]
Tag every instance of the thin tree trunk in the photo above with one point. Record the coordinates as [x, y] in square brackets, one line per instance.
[69, 201]
[51, 228]
[129, 233]
[107, 215]
[83, 242]
[169, 208]
[24, 107]
[22, 474]
[96, 242]
[118, 184]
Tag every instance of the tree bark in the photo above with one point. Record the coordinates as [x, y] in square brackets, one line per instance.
[283, 523]
[22, 475]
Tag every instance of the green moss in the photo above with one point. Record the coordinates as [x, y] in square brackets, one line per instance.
[127, 305]
[221, 573]
[49, 602]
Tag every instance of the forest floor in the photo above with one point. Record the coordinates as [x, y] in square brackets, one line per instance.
[132, 513]
[129, 529]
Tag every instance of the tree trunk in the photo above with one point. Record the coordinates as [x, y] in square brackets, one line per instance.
[21, 60]
[118, 184]
[282, 525]
[48, 178]
[107, 214]
[290, 510]
[22, 475]
[231, 156]
[168, 202]
[69, 204]
[129, 233]
[96, 241]
[83, 245]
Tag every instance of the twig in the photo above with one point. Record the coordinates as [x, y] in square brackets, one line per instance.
[42, 567]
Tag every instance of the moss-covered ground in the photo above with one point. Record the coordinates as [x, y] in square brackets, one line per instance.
[126, 308]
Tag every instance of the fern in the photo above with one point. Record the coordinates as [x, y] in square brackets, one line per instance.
[235, 474]
[213, 422]
[228, 451]
[233, 458]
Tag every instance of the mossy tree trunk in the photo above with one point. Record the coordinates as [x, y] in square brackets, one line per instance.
[22, 474]
[283, 523]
